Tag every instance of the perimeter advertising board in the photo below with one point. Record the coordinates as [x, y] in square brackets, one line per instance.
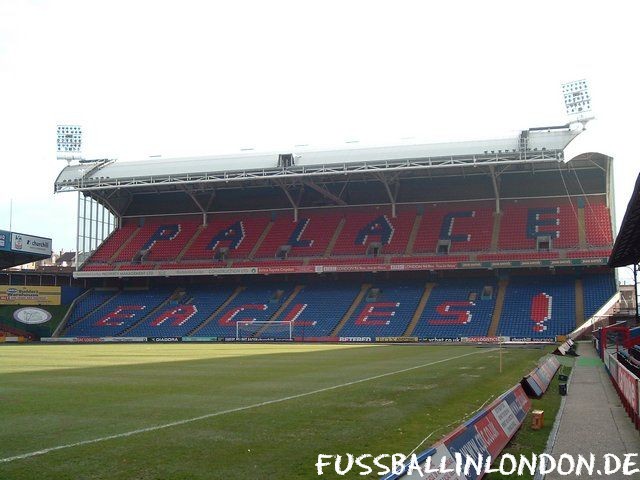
[18, 295]
[628, 385]
[347, 268]
[30, 244]
[487, 433]
[5, 241]
[537, 382]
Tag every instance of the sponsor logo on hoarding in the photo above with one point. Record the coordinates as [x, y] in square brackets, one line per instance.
[628, 386]
[29, 295]
[530, 339]
[354, 339]
[31, 315]
[397, 339]
[201, 339]
[484, 339]
[164, 339]
[483, 437]
[30, 244]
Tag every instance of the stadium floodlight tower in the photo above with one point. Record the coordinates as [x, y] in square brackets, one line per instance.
[577, 101]
[95, 222]
[69, 142]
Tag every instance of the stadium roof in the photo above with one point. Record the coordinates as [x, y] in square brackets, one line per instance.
[13, 259]
[530, 146]
[626, 250]
[18, 249]
[529, 165]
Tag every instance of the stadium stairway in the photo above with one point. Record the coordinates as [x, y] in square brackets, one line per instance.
[287, 302]
[335, 237]
[87, 314]
[579, 302]
[63, 324]
[419, 309]
[119, 250]
[414, 233]
[356, 301]
[495, 234]
[456, 308]
[231, 298]
[387, 310]
[283, 307]
[582, 229]
[497, 310]
[258, 244]
[187, 245]
[174, 295]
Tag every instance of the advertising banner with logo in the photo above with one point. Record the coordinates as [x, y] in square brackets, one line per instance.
[346, 268]
[16, 295]
[396, 339]
[30, 244]
[316, 339]
[628, 385]
[487, 433]
[5, 241]
[31, 315]
[93, 339]
[537, 382]
[485, 339]
[202, 339]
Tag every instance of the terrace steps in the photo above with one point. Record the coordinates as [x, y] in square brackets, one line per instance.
[224, 305]
[582, 229]
[335, 237]
[162, 305]
[81, 319]
[264, 234]
[419, 309]
[414, 233]
[124, 244]
[579, 302]
[345, 318]
[497, 310]
[187, 246]
[281, 309]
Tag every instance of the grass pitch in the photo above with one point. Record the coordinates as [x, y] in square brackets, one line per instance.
[56, 395]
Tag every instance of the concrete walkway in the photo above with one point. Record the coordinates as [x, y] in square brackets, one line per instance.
[593, 420]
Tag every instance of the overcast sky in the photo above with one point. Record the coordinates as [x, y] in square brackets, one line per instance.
[185, 77]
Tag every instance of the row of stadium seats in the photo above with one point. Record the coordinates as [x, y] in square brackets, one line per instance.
[534, 307]
[116, 314]
[358, 232]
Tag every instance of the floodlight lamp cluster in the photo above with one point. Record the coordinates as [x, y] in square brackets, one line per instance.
[69, 138]
[576, 97]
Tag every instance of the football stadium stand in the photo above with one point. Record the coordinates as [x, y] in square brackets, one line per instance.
[545, 230]
[536, 307]
[437, 241]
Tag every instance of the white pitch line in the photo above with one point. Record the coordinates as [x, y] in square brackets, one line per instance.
[231, 410]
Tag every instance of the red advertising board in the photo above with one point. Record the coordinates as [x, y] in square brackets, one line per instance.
[628, 385]
[487, 433]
